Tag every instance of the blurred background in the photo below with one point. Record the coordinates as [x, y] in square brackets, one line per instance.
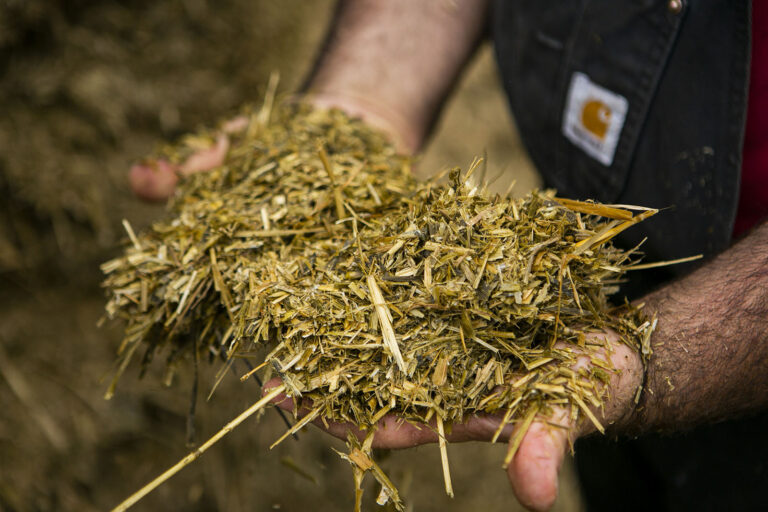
[86, 88]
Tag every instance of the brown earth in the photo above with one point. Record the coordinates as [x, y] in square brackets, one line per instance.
[89, 86]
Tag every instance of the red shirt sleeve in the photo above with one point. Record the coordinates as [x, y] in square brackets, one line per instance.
[753, 198]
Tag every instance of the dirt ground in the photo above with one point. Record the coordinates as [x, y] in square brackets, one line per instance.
[87, 87]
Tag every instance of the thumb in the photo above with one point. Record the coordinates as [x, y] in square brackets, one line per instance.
[533, 472]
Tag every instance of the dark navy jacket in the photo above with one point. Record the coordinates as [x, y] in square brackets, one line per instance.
[644, 102]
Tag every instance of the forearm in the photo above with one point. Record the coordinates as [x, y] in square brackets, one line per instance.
[710, 358]
[394, 61]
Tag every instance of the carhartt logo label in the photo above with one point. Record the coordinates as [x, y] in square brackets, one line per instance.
[593, 118]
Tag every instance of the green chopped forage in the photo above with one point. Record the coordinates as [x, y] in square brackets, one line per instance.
[313, 253]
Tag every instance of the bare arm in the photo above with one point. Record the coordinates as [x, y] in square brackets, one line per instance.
[710, 358]
[394, 62]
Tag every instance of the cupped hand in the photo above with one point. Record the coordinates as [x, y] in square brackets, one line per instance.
[533, 472]
[156, 179]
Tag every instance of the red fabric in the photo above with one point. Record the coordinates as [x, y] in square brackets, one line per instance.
[753, 199]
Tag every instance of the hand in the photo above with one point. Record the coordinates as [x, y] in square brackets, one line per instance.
[155, 179]
[402, 133]
[533, 472]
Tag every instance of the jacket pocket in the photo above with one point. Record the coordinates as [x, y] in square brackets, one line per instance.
[613, 54]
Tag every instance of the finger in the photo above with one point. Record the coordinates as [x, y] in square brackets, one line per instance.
[336, 429]
[533, 472]
[207, 159]
[393, 432]
[156, 180]
[478, 428]
[153, 180]
[236, 124]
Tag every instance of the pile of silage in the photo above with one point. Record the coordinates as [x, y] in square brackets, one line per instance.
[186, 281]
[312, 252]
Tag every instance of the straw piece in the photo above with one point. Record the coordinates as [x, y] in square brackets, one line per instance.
[519, 434]
[589, 413]
[298, 426]
[132, 235]
[602, 210]
[385, 324]
[444, 456]
[135, 497]
[336, 190]
[655, 264]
